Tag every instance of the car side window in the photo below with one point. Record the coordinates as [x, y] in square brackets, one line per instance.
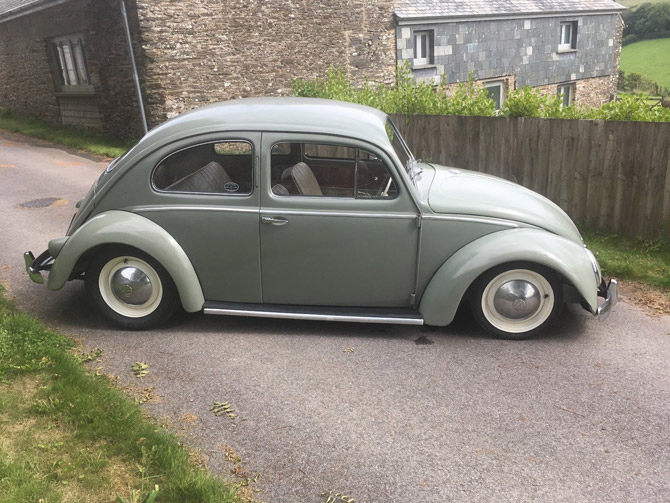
[329, 170]
[224, 167]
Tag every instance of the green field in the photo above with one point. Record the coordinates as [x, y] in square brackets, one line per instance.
[649, 58]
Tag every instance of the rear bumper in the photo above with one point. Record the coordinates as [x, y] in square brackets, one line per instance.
[35, 266]
[609, 292]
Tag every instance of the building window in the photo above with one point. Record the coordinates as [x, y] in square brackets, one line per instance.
[496, 91]
[70, 58]
[423, 48]
[566, 93]
[568, 37]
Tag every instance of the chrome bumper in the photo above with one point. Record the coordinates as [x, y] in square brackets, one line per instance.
[609, 292]
[35, 266]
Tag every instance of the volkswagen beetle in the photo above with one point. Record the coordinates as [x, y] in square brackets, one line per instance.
[316, 209]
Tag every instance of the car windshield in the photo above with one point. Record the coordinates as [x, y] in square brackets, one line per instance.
[402, 151]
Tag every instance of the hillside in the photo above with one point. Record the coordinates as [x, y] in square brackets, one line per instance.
[635, 3]
[650, 58]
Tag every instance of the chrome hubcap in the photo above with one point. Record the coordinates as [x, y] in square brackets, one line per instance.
[517, 299]
[131, 286]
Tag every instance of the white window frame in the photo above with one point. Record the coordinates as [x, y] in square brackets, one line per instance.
[567, 28]
[501, 84]
[568, 92]
[71, 62]
[423, 44]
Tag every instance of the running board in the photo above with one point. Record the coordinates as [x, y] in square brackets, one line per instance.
[326, 313]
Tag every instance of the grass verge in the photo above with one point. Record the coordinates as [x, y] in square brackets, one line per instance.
[632, 259]
[70, 137]
[69, 436]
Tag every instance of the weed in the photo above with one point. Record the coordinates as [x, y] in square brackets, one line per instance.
[219, 408]
[140, 369]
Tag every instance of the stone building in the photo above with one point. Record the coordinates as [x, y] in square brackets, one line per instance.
[566, 47]
[68, 61]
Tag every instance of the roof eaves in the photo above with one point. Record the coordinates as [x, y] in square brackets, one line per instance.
[29, 8]
[417, 19]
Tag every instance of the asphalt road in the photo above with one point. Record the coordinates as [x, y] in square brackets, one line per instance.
[379, 413]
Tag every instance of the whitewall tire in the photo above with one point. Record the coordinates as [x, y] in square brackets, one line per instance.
[131, 288]
[517, 301]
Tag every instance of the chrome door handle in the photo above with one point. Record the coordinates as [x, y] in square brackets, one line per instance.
[274, 220]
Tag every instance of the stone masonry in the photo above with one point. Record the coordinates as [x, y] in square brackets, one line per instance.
[525, 48]
[29, 82]
[203, 51]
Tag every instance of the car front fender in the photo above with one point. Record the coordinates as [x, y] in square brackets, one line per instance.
[129, 229]
[449, 284]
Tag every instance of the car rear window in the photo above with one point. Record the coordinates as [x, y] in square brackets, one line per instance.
[224, 167]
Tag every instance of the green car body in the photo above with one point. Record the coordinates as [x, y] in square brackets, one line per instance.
[407, 244]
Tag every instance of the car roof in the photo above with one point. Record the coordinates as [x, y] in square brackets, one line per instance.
[312, 115]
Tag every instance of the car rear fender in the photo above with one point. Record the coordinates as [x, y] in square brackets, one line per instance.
[447, 288]
[129, 229]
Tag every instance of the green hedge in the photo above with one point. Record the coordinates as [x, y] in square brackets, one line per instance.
[469, 98]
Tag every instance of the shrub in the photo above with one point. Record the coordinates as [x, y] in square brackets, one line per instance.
[632, 108]
[410, 97]
[406, 97]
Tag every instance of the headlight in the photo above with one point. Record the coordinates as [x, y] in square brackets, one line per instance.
[596, 268]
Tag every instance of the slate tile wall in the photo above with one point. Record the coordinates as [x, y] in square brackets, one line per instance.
[526, 48]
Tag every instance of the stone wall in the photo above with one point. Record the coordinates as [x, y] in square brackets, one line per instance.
[526, 48]
[591, 92]
[203, 51]
[29, 82]
[594, 92]
[110, 66]
[618, 43]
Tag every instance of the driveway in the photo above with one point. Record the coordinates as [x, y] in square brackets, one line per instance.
[378, 413]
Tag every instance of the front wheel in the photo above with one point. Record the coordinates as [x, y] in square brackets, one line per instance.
[131, 288]
[517, 301]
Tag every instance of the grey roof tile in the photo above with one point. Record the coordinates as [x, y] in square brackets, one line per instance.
[408, 9]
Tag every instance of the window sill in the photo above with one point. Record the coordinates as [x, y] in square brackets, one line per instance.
[424, 67]
[566, 51]
[75, 91]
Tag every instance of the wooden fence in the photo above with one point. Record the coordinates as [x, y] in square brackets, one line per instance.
[607, 175]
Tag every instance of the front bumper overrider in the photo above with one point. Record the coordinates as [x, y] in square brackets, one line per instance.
[609, 292]
[35, 266]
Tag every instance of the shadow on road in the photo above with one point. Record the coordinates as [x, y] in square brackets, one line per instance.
[72, 309]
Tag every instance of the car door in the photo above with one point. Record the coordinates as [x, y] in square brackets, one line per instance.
[338, 228]
[206, 195]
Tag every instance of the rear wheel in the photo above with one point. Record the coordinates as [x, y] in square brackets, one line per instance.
[517, 301]
[131, 288]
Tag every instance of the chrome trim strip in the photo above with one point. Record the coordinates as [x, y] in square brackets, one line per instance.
[311, 316]
[605, 308]
[479, 220]
[194, 208]
[326, 213]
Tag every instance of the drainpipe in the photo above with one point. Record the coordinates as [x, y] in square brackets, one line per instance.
[143, 115]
